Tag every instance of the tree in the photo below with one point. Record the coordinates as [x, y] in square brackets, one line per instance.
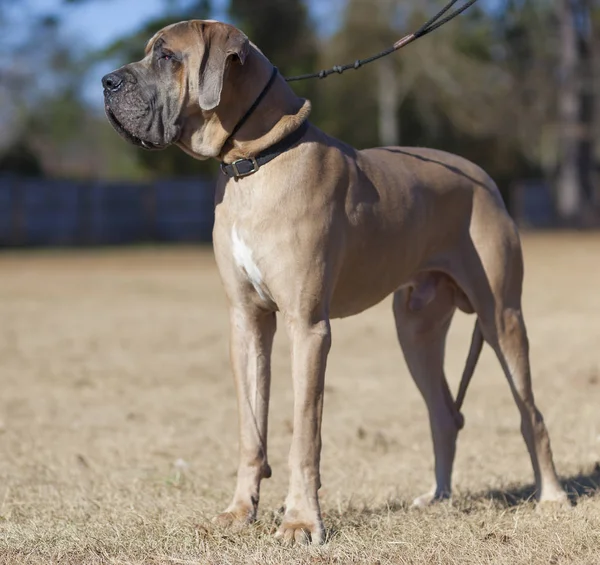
[595, 90]
[569, 194]
[20, 159]
[446, 90]
[42, 99]
[574, 186]
[284, 33]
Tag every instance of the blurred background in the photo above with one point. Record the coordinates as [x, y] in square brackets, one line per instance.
[513, 85]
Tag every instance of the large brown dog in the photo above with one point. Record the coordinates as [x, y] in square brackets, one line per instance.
[323, 231]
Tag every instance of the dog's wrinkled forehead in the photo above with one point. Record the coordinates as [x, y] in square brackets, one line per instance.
[180, 34]
[188, 34]
[201, 50]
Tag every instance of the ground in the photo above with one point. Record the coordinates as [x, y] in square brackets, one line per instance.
[118, 426]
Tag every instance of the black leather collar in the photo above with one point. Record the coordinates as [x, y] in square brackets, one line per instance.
[245, 167]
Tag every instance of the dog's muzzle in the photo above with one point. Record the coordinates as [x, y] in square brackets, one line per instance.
[127, 111]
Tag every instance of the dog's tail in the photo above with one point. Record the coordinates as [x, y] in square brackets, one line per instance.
[473, 357]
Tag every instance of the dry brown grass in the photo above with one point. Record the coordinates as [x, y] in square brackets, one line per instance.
[118, 423]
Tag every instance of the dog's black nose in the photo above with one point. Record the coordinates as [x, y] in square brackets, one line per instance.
[112, 82]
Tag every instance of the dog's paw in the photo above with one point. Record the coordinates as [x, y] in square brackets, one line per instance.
[556, 499]
[235, 518]
[301, 530]
[430, 498]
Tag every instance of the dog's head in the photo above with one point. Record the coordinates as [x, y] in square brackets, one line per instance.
[169, 96]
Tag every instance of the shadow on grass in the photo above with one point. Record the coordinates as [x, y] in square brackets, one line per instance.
[577, 486]
[580, 486]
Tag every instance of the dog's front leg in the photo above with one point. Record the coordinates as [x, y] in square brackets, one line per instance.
[251, 343]
[310, 345]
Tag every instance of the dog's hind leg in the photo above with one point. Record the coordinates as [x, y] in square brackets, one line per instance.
[422, 336]
[507, 334]
[496, 289]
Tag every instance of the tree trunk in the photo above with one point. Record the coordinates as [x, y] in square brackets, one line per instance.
[595, 82]
[568, 189]
[587, 110]
[388, 101]
[387, 75]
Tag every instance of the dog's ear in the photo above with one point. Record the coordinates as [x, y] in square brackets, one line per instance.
[222, 43]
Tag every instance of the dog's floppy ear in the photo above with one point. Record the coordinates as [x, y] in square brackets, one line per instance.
[221, 43]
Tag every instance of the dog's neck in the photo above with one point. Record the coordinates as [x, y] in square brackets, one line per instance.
[279, 112]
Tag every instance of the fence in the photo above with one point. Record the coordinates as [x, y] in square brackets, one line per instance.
[532, 205]
[36, 212]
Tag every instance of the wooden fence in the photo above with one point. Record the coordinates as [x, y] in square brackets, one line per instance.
[45, 212]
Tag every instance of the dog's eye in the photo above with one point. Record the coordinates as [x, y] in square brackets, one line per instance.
[166, 57]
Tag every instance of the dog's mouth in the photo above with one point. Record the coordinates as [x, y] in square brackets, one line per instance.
[133, 139]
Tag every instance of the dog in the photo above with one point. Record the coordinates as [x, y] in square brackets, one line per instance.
[308, 226]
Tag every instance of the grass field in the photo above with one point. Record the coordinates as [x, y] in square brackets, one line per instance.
[118, 437]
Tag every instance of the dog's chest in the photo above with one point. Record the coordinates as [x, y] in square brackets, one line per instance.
[244, 257]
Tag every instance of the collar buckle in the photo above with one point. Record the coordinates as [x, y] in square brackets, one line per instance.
[236, 173]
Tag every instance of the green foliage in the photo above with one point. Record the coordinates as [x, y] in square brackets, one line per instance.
[284, 32]
[21, 159]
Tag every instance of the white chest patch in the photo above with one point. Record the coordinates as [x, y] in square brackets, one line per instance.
[242, 255]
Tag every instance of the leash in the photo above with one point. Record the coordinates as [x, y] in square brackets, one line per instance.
[244, 167]
[426, 28]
